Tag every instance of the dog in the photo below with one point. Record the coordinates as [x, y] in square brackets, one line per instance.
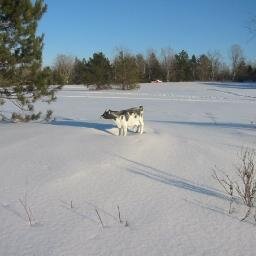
[128, 118]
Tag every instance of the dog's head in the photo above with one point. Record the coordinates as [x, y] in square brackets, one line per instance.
[108, 114]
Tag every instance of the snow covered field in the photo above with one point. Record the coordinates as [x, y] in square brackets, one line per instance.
[161, 180]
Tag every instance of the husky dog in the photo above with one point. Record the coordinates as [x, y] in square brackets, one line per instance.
[128, 118]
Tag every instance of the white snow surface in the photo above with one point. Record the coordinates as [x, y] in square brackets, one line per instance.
[161, 180]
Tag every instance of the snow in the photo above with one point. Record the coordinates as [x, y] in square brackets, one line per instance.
[161, 180]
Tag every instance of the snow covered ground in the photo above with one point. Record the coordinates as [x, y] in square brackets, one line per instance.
[161, 180]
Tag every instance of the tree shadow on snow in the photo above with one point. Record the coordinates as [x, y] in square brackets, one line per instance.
[172, 180]
[77, 123]
[210, 124]
[12, 210]
[235, 94]
[231, 85]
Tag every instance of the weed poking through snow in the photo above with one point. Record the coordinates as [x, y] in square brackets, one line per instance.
[245, 188]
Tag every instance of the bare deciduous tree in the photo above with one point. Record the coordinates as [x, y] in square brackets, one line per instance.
[168, 59]
[252, 26]
[236, 56]
[63, 66]
[215, 60]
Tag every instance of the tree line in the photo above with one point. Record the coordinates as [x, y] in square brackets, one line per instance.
[126, 70]
[23, 79]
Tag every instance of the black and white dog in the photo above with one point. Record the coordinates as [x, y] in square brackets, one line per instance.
[128, 118]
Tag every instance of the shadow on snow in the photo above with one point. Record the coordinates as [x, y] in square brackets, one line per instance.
[231, 85]
[171, 180]
[209, 124]
[75, 123]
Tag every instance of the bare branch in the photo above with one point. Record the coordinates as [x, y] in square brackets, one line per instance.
[99, 217]
[27, 209]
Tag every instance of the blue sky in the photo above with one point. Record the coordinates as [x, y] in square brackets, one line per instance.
[82, 27]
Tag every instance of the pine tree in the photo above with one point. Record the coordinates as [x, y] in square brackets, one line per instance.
[22, 80]
[154, 69]
[99, 70]
[193, 65]
[242, 72]
[79, 74]
[125, 71]
[141, 64]
[183, 67]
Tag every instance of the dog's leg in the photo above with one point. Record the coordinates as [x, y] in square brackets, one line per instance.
[125, 131]
[141, 126]
[125, 127]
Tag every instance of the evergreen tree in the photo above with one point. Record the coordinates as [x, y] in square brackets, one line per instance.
[99, 70]
[80, 72]
[141, 65]
[22, 81]
[154, 70]
[251, 73]
[193, 64]
[125, 71]
[183, 68]
[242, 72]
[47, 75]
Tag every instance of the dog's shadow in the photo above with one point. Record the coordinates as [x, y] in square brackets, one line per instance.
[84, 124]
[107, 128]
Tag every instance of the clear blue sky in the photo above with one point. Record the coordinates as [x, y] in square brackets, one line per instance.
[82, 27]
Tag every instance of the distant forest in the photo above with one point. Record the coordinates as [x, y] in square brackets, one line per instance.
[126, 70]
[23, 79]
